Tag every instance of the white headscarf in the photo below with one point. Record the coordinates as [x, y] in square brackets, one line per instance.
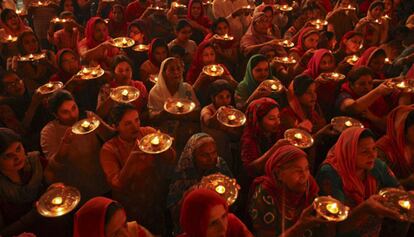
[160, 93]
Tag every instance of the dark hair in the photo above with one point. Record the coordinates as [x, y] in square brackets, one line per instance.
[378, 52]
[218, 86]
[4, 75]
[301, 83]
[257, 60]
[358, 72]
[376, 4]
[367, 133]
[268, 8]
[6, 13]
[76, 8]
[110, 211]
[409, 121]
[57, 99]
[20, 42]
[8, 137]
[119, 59]
[217, 22]
[66, 14]
[119, 110]
[181, 24]
[177, 49]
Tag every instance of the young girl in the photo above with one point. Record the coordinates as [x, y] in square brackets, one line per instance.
[183, 32]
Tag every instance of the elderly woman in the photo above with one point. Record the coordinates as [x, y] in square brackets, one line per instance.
[257, 35]
[373, 26]
[205, 213]
[122, 71]
[352, 173]
[198, 159]
[138, 180]
[260, 134]
[395, 147]
[102, 216]
[96, 47]
[286, 190]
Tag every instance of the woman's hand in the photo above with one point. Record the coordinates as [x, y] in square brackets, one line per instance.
[375, 207]
[308, 219]
[261, 91]
[305, 125]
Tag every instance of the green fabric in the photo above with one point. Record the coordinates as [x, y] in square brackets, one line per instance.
[331, 184]
[249, 84]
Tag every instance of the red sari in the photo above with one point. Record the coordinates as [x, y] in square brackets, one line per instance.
[300, 47]
[195, 212]
[393, 143]
[366, 58]
[342, 158]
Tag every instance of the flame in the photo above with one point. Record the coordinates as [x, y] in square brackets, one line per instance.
[298, 135]
[273, 87]
[214, 68]
[335, 75]
[124, 41]
[348, 123]
[49, 85]
[405, 204]
[231, 117]
[332, 208]
[57, 200]
[86, 124]
[31, 56]
[285, 59]
[220, 189]
[155, 141]
[124, 92]
[401, 85]
[179, 105]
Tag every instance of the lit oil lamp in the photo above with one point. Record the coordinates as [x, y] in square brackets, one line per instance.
[285, 8]
[401, 85]
[386, 16]
[220, 189]
[273, 87]
[94, 72]
[287, 43]
[85, 125]
[352, 60]
[231, 118]
[125, 93]
[18, 11]
[387, 60]
[213, 70]
[335, 75]
[10, 38]
[350, 7]
[332, 208]
[124, 42]
[57, 200]
[348, 123]
[221, 184]
[86, 71]
[39, 3]
[298, 136]
[405, 204]
[49, 85]
[179, 106]
[155, 141]
[31, 56]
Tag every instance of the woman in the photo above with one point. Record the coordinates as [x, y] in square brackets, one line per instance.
[303, 110]
[21, 184]
[373, 58]
[198, 159]
[352, 173]
[286, 190]
[323, 61]
[340, 20]
[34, 74]
[250, 88]
[170, 85]
[97, 47]
[183, 32]
[204, 213]
[11, 25]
[308, 39]
[358, 98]
[373, 26]
[256, 36]
[105, 217]
[122, 71]
[157, 53]
[259, 135]
[139, 181]
[395, 146]
[137, 31]
[349, 45]
[200, 23]
[117, 24]
[205, 55]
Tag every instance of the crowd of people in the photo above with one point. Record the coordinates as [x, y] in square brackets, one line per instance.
[128, 192]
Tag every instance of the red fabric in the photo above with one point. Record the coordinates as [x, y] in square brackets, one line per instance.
[90, 218]
[62, 75]
[326, 5]
[346, 37]
[89, 30]
[135, 9]
[195, 211]
[202, 19]
[313, 65]
[155, 43]
[22, 28]
[364, 6]
[117, 29]
[197, 64]
[253, 133]
[365, 59]
[342, 157]
[281, 195]
[393, 143]
[410, 73]
[300, 48]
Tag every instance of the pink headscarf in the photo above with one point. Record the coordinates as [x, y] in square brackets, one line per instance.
[313, 65]
[89, 32]
[281, 195]
[342, 157]
[22, 27]
[300, 47]
[201, 19]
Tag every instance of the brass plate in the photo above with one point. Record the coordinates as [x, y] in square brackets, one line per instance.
[148, 145]
[179, 106]
[299, 138]
[85, 126]
[231, 117]
[58, 200]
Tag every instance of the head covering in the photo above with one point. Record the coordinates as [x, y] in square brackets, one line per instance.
[201, 19]
[313, 65]
[8, 31]
[348, 35]
[197, 63]
[64, 76]
[256, 110]
[140, 24]
[393, 144]
[186, 174]
[249, 84]
[20, 42]
[90, 218]
[257, 37]
[155, 43]
[366, 58]
[303, 34]
[117, 29]
[90, 30]
[195, 211]
[342, 157]
[281, 195]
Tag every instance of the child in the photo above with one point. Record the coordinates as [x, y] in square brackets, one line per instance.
[183, 32]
